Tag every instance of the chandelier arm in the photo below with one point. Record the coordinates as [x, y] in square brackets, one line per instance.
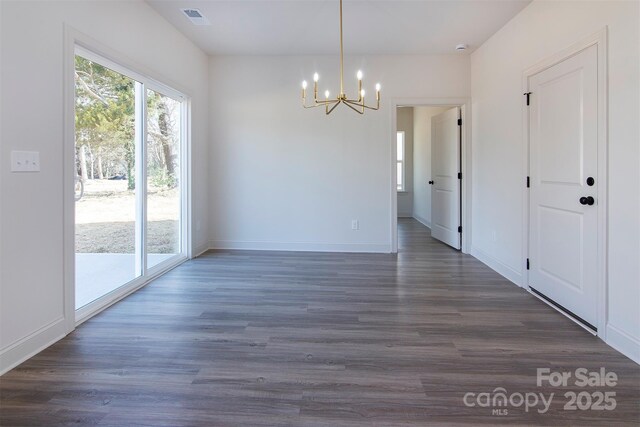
[316, 104]
[372, 108]
[350, 105]
[353, 102]
[311, 106]
[362, 104]
[330, 102]
[329, 110]
[325, 102]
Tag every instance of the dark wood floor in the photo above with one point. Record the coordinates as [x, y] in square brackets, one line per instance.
[318, 339]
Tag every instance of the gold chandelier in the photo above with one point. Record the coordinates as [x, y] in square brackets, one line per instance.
[357, 105]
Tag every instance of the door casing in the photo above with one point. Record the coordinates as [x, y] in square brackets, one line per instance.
[465, 155]
[598, 39]
[72, 39]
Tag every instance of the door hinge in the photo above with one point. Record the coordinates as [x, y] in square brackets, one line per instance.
[527, 263]
[459, 122]
[459, 229]
[528, 182]
[459, 175]
[528, 95]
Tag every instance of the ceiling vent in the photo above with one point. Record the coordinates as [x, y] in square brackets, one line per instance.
[195, 17]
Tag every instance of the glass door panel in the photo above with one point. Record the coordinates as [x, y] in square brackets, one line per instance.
[105, 207]
[163, 169]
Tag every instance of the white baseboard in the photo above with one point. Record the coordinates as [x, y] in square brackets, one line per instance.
[422, 221]
[623, 342]
[201, 249]
[301, 246]
[498, 266]
[32, 344]
[616, 338]
[29, 346]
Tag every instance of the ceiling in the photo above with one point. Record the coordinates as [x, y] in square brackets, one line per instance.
[299, 27]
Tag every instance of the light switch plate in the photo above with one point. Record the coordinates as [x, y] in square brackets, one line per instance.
[25, 161]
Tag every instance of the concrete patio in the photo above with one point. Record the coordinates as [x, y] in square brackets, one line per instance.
[101, 273]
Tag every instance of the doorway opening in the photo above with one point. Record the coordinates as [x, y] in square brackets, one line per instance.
[130, 181]
[430, 169]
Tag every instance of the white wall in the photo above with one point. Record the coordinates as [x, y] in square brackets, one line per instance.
[283, 177]
[31, 289]
[540, 30]
[405, 198]
[422, 162]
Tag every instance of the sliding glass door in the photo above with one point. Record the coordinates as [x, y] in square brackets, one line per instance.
[163, 177]
[130, 207]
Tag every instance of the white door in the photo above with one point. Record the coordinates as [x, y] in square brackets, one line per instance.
[445, 166]
[563, 215]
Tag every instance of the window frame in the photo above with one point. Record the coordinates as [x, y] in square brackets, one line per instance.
[401, 187]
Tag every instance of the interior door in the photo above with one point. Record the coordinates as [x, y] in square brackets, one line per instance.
[563, 215]
[445, 166]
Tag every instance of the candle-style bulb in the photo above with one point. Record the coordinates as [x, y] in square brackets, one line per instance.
[316, 77]
[359, 75]
[326, 94]
[362, 93]
[377, 87]
[304, 84]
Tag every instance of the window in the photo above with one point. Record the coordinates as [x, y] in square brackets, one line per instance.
[400, 160]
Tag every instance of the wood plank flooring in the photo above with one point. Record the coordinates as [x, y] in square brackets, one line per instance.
[317, 339]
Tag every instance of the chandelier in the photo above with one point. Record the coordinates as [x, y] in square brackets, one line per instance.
[357, 105]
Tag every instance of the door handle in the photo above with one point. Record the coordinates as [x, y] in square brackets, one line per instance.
[587, 200]
[430, 182]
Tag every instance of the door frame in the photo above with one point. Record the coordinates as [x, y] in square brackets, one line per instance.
[465, 157]
[599, 39]
[73, 39]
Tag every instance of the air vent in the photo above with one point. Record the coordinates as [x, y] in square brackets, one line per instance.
[192, 13]
[196, 17]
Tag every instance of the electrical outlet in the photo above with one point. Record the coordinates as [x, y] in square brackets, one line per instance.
[355, 224]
